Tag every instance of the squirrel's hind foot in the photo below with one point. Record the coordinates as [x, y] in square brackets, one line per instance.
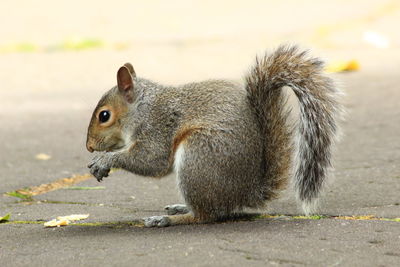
[167, 220]
[157, 221]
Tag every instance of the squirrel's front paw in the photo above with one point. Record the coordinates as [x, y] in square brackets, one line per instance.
[99, 167]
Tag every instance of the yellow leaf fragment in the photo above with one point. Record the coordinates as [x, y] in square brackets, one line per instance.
[73, 217]
[56, 223]
[340, 66]
[65, 220]
[42, 156]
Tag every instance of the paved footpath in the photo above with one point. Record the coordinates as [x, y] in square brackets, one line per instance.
[47, 99]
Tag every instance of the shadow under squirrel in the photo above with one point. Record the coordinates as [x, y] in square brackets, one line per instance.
[230, 145]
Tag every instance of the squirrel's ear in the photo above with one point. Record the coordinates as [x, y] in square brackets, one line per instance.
[125, 79]
[131, 70]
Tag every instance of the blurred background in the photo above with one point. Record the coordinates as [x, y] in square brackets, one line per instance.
[78, 45]
[58, 57]
[54, 45]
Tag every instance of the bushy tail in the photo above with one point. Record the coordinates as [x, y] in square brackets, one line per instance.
[317, 128]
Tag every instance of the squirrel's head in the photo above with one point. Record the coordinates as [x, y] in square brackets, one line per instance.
[105, 128]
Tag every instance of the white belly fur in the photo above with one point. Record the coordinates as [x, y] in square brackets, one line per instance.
[179, 158]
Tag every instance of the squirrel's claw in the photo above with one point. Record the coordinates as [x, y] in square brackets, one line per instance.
[98, 170]
[99, 173]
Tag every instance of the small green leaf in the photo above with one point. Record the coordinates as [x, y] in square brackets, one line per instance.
[19, 195]
[5, 218]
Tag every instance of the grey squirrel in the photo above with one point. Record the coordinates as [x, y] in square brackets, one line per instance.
[230, 145]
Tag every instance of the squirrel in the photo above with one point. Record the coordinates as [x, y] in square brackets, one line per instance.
[231, 145]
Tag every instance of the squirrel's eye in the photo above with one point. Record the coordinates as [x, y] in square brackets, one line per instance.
[104, 116]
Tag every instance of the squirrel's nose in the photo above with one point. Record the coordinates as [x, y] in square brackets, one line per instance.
[89, 147]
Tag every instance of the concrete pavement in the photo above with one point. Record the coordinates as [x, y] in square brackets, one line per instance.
[47, 99]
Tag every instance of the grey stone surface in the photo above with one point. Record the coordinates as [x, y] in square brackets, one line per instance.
[257, 243]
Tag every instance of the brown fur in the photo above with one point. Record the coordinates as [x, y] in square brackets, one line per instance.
[182, 135]
[108, 135]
